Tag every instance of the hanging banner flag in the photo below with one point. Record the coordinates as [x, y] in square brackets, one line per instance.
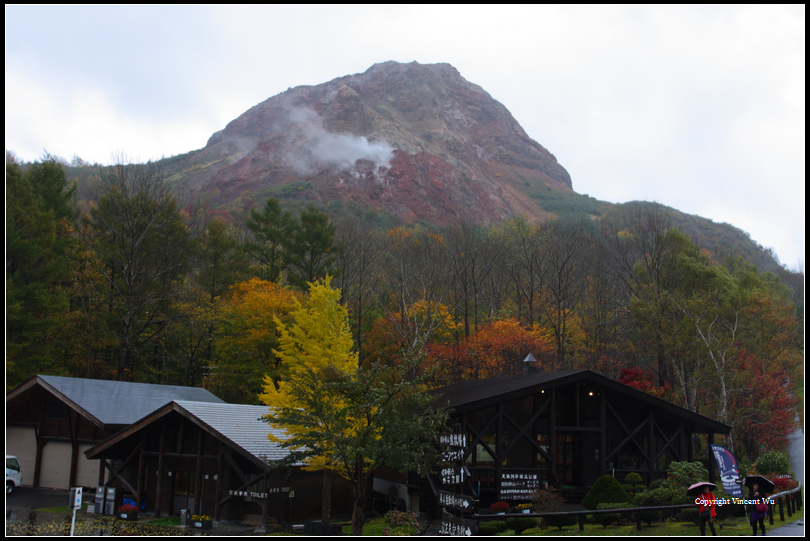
[729, 472]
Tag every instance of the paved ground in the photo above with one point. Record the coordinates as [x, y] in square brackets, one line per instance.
[796, 528]
[39, 498]
[796, 456]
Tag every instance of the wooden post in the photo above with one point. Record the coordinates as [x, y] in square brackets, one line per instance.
[498, 447]
[218, 490]
[552, 422]
[138, 484]
[602, 434]
[102, 468]
[265, 505]
[159, 492]
[712, 476]
[650, 446]
[198, 475]
[38, 461]
[74, 447]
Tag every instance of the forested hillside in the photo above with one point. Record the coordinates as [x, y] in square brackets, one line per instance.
[126, 282]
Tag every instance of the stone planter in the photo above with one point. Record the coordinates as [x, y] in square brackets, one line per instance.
[128, 516]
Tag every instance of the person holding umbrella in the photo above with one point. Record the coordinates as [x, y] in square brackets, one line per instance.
[760, 510]
[707, 505]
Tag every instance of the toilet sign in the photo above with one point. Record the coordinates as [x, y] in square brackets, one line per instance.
[75, 503]
[76, 498]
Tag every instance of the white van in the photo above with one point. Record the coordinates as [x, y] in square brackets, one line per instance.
[13, 473]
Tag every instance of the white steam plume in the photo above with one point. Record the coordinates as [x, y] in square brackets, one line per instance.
[325, 147]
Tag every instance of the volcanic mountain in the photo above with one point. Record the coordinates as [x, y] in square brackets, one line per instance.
[414, 140]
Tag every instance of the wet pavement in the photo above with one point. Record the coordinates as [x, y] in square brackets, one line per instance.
[796, 528]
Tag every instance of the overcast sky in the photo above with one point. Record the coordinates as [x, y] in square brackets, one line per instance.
[699, 108]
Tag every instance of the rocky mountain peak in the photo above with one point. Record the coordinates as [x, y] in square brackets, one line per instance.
[416, 140]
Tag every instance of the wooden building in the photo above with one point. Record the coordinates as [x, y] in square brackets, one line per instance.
[213, 459]
[566, 429]
[51, 421]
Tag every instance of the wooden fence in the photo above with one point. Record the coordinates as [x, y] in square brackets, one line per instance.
[790, 500]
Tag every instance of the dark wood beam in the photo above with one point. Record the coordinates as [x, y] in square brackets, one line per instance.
[198, 475]
[161, 448]
[650, 444]
[218, 490]
[631, 435]
[552, 434]
[180, 455]
[139, 482]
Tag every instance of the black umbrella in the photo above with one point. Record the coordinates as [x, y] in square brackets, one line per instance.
[765, 484]
[697, 488]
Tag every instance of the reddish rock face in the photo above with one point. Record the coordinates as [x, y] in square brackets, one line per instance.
[418, 141]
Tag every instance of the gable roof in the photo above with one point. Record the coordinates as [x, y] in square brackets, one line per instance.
[242, 425]
[473, 394]
[112, 404]
[239, 426]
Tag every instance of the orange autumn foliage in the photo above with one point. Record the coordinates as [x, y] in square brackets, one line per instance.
[496, 350]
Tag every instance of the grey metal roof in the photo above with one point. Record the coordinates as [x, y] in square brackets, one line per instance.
[122, 402]
[242, 425]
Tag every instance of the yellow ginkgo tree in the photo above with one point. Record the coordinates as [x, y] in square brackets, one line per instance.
[340, 417]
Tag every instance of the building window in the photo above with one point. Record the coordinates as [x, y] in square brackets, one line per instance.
[55, 410]
[543, 440]
[483, 458]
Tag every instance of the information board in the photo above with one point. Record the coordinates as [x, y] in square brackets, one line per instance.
[458, 502]
[519, 485]
[452, 525]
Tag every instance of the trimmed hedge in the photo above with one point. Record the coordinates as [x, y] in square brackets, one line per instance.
[524, 524]
[606, 489]
[610, 518]
[633, 479]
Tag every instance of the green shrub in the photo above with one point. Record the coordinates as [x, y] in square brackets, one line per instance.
[609, 518]
[745, 465]
[688, 515]
[684, 474]
[500, 525]
[487, 528]
[650, 516]
[647, 499]
[524, 524]
[561, 521]
[606, 489]
[772, 462]
[633, 489]
[633, 479]
[664, 496]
